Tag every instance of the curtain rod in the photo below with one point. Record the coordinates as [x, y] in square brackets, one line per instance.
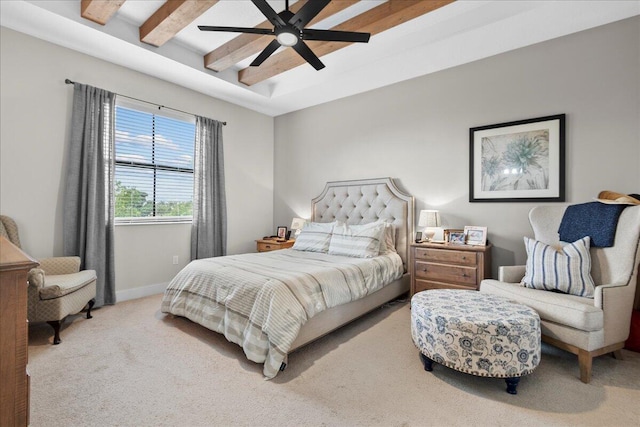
[69, 82]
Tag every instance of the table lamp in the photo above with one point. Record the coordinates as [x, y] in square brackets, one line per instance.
[297, 225]
[429, 219]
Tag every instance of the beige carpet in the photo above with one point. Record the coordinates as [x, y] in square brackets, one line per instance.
[133, 366]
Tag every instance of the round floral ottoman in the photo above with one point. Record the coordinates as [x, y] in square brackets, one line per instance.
[480, 334]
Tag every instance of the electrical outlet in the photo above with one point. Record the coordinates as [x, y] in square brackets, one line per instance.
[175, 259]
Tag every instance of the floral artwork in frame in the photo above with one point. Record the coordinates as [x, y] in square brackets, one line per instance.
[521, 161]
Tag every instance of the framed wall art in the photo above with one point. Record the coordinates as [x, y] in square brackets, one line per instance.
[521, 161]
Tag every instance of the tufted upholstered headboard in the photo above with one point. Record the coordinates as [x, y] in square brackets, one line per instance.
[364, 201]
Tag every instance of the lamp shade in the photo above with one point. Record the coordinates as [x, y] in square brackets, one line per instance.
[429, 218]
[297, 223]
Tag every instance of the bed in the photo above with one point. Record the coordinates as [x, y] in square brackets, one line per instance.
[273, 303]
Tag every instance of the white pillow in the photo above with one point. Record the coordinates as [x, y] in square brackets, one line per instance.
[314, 237]
[388, 243]
[361, 241]
[567, 270]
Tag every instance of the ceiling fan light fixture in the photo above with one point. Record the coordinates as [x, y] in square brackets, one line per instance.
[286, 38]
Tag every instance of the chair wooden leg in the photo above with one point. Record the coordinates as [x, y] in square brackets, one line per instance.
[617, 354]
[91, 304]
[585, 360]
[55, 324]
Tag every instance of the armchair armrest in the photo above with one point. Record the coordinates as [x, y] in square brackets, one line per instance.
[616, 302]
[511, 273]
[36, 278]
[60, 265]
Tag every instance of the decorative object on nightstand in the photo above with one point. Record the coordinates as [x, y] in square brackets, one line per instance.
[448, 266]
[429, 219]
[297, 225]
[273, 244]
[281, 232]
[475, 235]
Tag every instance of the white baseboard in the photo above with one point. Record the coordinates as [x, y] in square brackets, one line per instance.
[143, 291]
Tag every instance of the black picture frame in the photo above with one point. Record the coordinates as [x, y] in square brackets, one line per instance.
[519, 161]
[281, 232]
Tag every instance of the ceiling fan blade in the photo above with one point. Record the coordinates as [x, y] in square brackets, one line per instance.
[269, 13]
[335, 36]
[236, 29]
[308, 12]
[271, 47]
[304, 51]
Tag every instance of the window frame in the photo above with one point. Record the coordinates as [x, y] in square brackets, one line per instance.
[155, 110]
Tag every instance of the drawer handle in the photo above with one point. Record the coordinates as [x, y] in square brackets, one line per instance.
[268, 247]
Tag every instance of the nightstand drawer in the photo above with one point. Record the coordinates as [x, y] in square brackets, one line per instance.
[453, 274]
[446, 256]
[273, 245]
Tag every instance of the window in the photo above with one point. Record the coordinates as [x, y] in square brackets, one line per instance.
[154, 160]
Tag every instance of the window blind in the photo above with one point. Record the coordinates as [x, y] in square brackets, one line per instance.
[154, 161]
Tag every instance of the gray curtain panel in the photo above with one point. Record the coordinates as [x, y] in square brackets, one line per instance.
[209, 227]
[88, 199]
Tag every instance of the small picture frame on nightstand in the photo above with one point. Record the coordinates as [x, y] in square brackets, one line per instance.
[281, 232]
[447, 233]
[457, 238]
[476, 236]
[418, 236]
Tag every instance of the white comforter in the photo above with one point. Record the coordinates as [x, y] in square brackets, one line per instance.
[260, 301]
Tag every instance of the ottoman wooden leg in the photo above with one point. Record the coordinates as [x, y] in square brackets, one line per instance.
[512, 383]
[428, 363]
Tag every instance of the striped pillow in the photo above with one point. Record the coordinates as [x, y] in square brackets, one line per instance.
[360, 241]
[567, 270]
[314, 237]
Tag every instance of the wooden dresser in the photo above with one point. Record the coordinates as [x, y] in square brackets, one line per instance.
[448, 266]
[14, 341]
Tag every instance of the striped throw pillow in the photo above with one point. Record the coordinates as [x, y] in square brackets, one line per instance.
[360, 241]
[567, 270]
[314, 237]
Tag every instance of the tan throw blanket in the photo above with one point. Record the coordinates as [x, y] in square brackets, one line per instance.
[261, 300]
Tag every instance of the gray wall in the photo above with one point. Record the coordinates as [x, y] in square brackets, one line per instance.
[418, 131]
[35, 114]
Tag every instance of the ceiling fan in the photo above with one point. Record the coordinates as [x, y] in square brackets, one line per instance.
[289, 31]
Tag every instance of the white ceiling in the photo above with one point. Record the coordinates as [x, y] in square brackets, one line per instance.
[455, 34]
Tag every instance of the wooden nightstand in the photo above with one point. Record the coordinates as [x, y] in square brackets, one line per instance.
[448, 266]
[266, 245]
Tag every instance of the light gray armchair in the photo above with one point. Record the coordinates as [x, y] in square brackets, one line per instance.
[57, 288]
[587, 327]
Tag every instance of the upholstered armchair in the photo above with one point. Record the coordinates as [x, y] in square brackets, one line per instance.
[587, 327]
[57, 288]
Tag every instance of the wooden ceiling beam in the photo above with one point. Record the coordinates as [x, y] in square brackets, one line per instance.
[171, 18]
[99, 11]
[376, 20]
[245, 45]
